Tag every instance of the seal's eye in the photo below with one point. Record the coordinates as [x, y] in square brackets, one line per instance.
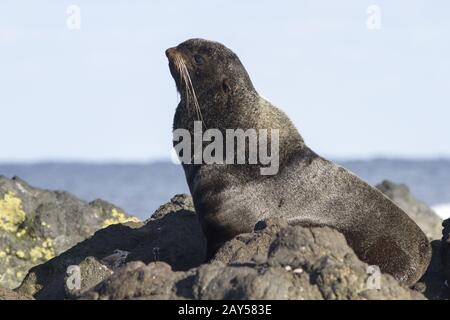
[199, 59]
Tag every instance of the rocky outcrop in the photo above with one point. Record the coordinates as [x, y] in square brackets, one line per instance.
[172, 235]
[276, 261]
[426, 218]
[37, 225]
[164, 258]
[95, 251]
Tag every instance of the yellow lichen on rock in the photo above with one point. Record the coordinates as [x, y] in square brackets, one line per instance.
[44, 252]
[45, 224]
[21, 233]
[20, 254]
[118, 217]
[11, 212]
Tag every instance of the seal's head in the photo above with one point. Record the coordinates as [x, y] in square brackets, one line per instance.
[201, 66]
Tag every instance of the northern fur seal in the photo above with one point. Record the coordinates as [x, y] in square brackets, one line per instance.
[308, 189]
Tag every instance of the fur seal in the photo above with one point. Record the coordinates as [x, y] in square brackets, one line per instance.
[309, 190]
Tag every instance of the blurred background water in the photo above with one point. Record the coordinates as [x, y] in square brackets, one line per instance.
[141, 188]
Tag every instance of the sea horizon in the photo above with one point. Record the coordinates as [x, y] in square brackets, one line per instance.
[141, 187]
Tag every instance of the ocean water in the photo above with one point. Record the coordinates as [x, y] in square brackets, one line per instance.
[140, 189]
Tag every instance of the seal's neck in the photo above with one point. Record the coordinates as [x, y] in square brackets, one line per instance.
[216, 108]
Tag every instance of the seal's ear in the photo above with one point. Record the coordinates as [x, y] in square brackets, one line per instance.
[226, 85]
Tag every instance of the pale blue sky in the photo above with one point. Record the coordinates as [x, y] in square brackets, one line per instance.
[104, 93]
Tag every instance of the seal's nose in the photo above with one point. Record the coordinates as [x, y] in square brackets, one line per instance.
[170, 52]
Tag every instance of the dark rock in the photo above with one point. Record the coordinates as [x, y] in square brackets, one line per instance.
[434, 279]
[164, 258]
[7, 294]
[445, 251]
[173, 236]
[84, 276]
[433, 282]
[36, 225]
[425, 217]
[153, 281]
[280, 262]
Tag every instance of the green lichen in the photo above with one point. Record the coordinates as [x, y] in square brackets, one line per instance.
[11, 212]
[118, 217]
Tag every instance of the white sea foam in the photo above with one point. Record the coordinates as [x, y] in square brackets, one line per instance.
[443, 210]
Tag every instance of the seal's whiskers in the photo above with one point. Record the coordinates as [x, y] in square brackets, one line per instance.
[190, 92]
[194, 96]
[183, 81]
